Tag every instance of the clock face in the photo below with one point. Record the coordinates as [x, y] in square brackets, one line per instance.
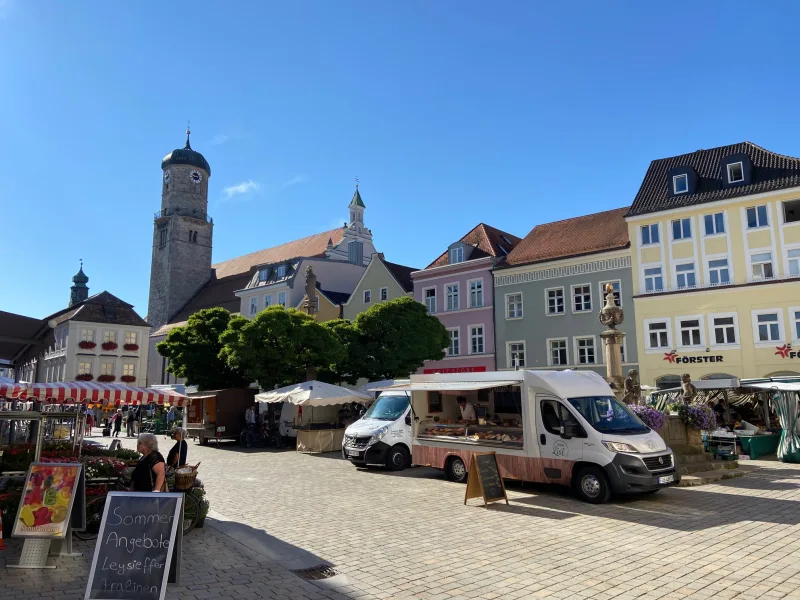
[167, 176]
[196, 176]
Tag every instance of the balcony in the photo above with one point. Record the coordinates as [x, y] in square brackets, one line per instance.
[182, 212]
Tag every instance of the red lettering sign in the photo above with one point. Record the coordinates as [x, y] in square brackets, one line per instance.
[455, 370]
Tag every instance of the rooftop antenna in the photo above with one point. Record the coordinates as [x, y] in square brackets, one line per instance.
[356, 180]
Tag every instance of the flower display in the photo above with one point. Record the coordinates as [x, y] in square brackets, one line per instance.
[654, 419]
[128, 378]
[84, 377]
[109, 346]
[131, 347]
[698, 416]
[86, 345]
[106, 378]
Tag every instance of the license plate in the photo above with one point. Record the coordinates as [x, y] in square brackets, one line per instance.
[352, 453]
[666, 479]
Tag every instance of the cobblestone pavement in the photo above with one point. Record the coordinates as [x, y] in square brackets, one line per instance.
[409, 535]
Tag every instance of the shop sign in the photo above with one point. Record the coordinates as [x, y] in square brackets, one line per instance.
[455, 370]
[46, 506]
[673, 357]
[786, 351]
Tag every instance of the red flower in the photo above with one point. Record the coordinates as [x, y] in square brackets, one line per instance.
[109, 345]
[86, 345]
[128, 378]
[131, 347]
[105, 378]
[84, 377]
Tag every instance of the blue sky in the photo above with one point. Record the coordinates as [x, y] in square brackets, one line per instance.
[449, 112]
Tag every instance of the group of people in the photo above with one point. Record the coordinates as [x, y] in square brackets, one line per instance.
[150, 474]
[132, 419]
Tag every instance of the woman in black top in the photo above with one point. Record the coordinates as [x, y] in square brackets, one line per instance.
[177, 456]
[117, 422]
[149, 474]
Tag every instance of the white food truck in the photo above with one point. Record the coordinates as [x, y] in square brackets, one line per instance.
[563, 427]
[383, 435]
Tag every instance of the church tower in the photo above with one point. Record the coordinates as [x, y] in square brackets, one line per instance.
[356, 246]
[182, 234]
[79, 290]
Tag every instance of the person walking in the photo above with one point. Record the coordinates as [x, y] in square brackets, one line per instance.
[89, 423]
[130, 421]
[177, 456]
[117, 422]
[150, 474]
[171, 418]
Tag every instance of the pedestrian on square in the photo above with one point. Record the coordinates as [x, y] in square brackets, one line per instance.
[177, 456]
[170, 418]
[89, 423]
[131, 419]
[150, 474]
[250, 417]
[117, 418]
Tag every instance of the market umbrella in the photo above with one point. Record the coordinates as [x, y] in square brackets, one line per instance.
[785, 404]
[86, 391]
[313, 393]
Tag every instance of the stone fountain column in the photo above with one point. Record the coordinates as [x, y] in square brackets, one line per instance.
[611, 315]
[310, 304]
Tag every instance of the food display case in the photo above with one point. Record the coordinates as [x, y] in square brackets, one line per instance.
[495, 435]
[442, 430]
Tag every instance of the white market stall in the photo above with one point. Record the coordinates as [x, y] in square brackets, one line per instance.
[318, 428]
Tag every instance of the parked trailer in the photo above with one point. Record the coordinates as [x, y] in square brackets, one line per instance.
[219, 414]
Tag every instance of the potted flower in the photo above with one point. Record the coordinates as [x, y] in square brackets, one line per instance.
[131, 347]
[128, 378]
[653, 418]
[84, 377]
[86, 345]
[109, 346]
[106, 378]
[697, 417]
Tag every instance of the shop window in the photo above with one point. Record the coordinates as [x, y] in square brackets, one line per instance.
[791, 211]
[555, 301]
[434, 402]
[668, 382]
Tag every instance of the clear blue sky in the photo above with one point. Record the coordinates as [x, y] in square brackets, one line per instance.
[449, 112]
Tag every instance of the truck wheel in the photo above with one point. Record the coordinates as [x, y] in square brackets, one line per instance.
[397, 460]
[456, 470]
[591, 485]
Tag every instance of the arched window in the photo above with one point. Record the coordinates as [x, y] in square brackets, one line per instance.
[718, 376]
[666, 382]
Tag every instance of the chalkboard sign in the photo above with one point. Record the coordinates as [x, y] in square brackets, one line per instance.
[138, 547]
[484, 479]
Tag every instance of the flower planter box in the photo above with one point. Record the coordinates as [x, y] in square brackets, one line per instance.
[677, 434]
[131, 347]
[128, 378]
[109, 346]
[84, 377]
[86, 345]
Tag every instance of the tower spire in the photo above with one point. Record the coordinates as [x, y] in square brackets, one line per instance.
[188, 133]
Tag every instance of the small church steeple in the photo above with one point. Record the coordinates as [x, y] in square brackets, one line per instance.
[79, 290]
[357, 208]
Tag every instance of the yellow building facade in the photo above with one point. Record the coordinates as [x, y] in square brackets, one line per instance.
[715, 241]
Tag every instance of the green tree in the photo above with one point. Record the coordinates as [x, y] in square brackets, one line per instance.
[279, 347]
[193, 352]
[390, 340]
[348, 369]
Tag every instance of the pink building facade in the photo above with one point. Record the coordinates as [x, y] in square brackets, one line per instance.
[458, 289]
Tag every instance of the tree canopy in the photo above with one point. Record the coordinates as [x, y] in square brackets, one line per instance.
[193, 351]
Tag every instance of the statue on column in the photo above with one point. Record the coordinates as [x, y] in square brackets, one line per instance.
[311, 291]
[633, 390]
[689, 392]
[611, 315]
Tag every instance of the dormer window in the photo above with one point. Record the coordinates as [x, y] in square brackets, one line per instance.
[680, 184]
[456, 255]
[262, 274]
[735, 172]
[281, 270]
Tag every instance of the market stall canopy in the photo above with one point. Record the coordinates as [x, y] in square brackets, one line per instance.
[442, 386]
[313, 393]
[5, 380]
[781, 386]
[377, 386]
[85, 391]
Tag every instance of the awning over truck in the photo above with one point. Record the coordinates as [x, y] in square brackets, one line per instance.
[441, 386]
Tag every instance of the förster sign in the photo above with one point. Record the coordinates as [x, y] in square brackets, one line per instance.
[138, 547]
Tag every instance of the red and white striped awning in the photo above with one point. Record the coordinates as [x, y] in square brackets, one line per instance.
[87, 391]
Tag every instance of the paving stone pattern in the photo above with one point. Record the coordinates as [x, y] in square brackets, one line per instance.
[409, 535]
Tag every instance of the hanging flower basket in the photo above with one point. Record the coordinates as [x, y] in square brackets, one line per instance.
[109, 346]
[106, 378]
[131, 347]
[128, 378]
[84, 377]
[86, 345]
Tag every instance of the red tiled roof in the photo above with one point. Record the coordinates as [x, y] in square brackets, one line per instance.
[487, 240]
[588, 234]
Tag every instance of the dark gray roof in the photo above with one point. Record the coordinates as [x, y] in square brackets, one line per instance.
[186, 156]
[771, 171]
[402, 274]
[335, 297]
[100, 308]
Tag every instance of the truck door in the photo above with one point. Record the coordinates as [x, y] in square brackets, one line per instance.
[559, 433]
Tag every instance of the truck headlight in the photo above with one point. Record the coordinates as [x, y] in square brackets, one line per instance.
[376, 437]
[620, 447]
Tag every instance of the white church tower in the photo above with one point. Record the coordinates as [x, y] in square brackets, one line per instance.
[356, 246]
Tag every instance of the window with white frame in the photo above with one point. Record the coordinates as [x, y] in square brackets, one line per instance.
[476, 293]
[476, 339]
[691, 333]
[795, 315]
[282, 298]
[516, 354]
[724, 328]
[129, 369]
[680, 184]
[584, 351]
[253, 305]
[454, 349]
[757, 216]
[384, 294]
[84, 368]
[617, 286]
[658, 335]
[107, 368]
[110, 336]
[131, 337]
[582, 297]
[87, 335]
[451, 296]
[794, 262]
[761, 265]
[558, 352]
[514, 306]
[653, 279]
[768, 326]
[555, 301]
[456, 255]
[430, 300]
[735, 172]
[718, 273]
[262, 274]
[281, 270]
[681, 229]
[649, 234]
[685, 276]
[267, 300]
[715, 223]
[367, 296]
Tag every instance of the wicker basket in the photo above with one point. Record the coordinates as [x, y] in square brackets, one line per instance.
[185, 477]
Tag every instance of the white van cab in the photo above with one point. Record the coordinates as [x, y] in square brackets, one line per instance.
[383, 435]
[563, 427]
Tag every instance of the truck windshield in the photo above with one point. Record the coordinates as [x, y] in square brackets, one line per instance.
[607, 415]
[387, 408]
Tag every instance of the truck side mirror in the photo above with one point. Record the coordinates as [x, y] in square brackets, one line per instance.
[408, 419]
[564, 434]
